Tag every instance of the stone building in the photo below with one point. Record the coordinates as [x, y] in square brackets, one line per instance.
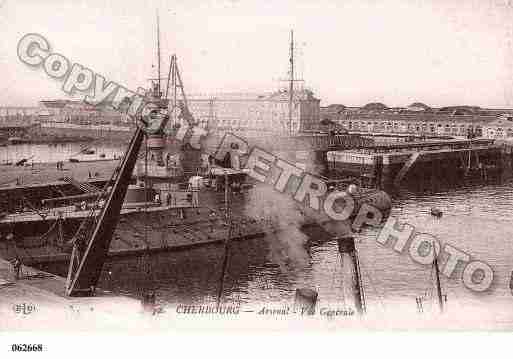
[79, 112]
[257, 113]
[501, 128]
[418, 119]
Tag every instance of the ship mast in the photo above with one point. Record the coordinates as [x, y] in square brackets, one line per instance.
[291, 82]
[158, 51]
[438, 285]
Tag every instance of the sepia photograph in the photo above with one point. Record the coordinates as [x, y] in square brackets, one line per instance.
[236, 166]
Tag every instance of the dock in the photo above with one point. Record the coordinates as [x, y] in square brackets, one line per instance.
[43, 180]
[390, 165]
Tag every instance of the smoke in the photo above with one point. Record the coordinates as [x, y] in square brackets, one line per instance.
[288, 244]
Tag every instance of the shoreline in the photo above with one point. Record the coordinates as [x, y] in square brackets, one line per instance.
[43, 140]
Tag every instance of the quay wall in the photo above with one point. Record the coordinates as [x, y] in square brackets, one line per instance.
[100, 132]
[436, 165]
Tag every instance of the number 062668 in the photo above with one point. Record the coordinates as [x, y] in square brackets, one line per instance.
[27, 347]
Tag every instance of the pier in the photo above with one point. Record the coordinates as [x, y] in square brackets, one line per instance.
[390, 165]
[35, 182]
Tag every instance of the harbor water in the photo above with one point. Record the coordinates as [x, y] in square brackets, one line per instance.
[38, 153]
[477, 219]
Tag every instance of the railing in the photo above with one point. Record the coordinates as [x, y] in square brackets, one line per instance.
[430, 145]
[153, 170]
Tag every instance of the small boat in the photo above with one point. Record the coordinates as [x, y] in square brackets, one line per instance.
[23, 161]
[435, 212]
[88, 159]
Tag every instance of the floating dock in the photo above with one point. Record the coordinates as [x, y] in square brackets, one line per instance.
[389, 165]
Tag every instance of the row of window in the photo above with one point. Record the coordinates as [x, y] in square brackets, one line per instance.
[250, 108]
[343, 157]
[257, 122]
[498, 132]
[16, 117]
[418, 128]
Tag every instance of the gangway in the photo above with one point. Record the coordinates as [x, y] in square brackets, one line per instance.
[406, 167]
[82, 186]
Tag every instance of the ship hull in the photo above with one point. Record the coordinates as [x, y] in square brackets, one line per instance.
[156, 228]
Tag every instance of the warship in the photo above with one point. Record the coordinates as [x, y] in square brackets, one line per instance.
[178, 198]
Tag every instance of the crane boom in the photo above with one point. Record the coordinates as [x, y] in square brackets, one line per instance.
[91, 245]
[84, 277]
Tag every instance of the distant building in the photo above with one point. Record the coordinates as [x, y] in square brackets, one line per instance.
[419, 119]
[79, 112]
[19, 129]
[25, 115]
[418, 124]
[18, 122]
[501, 128]
[253, 113]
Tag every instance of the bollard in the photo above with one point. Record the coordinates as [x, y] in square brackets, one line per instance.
[305, 301]
[347, 249]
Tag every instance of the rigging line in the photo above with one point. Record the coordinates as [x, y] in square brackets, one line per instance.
[103, 191]
[338, 272]
[362, 289]
[41, 238]
[27, 255]
[428, 292]
[58, 190]
[147, 261]
[40, 213]
[225, 265]
[50, 230]
[60, 219]
[374, 287]
[16, 253]
[226, 243]
[454, 298]
[429, 287]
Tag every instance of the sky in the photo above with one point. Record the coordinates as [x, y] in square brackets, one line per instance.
[440, 52]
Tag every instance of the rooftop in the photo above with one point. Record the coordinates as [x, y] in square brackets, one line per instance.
[299, 95]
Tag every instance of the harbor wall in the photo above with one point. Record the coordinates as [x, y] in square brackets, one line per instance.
[107, 133]
[447, 165]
